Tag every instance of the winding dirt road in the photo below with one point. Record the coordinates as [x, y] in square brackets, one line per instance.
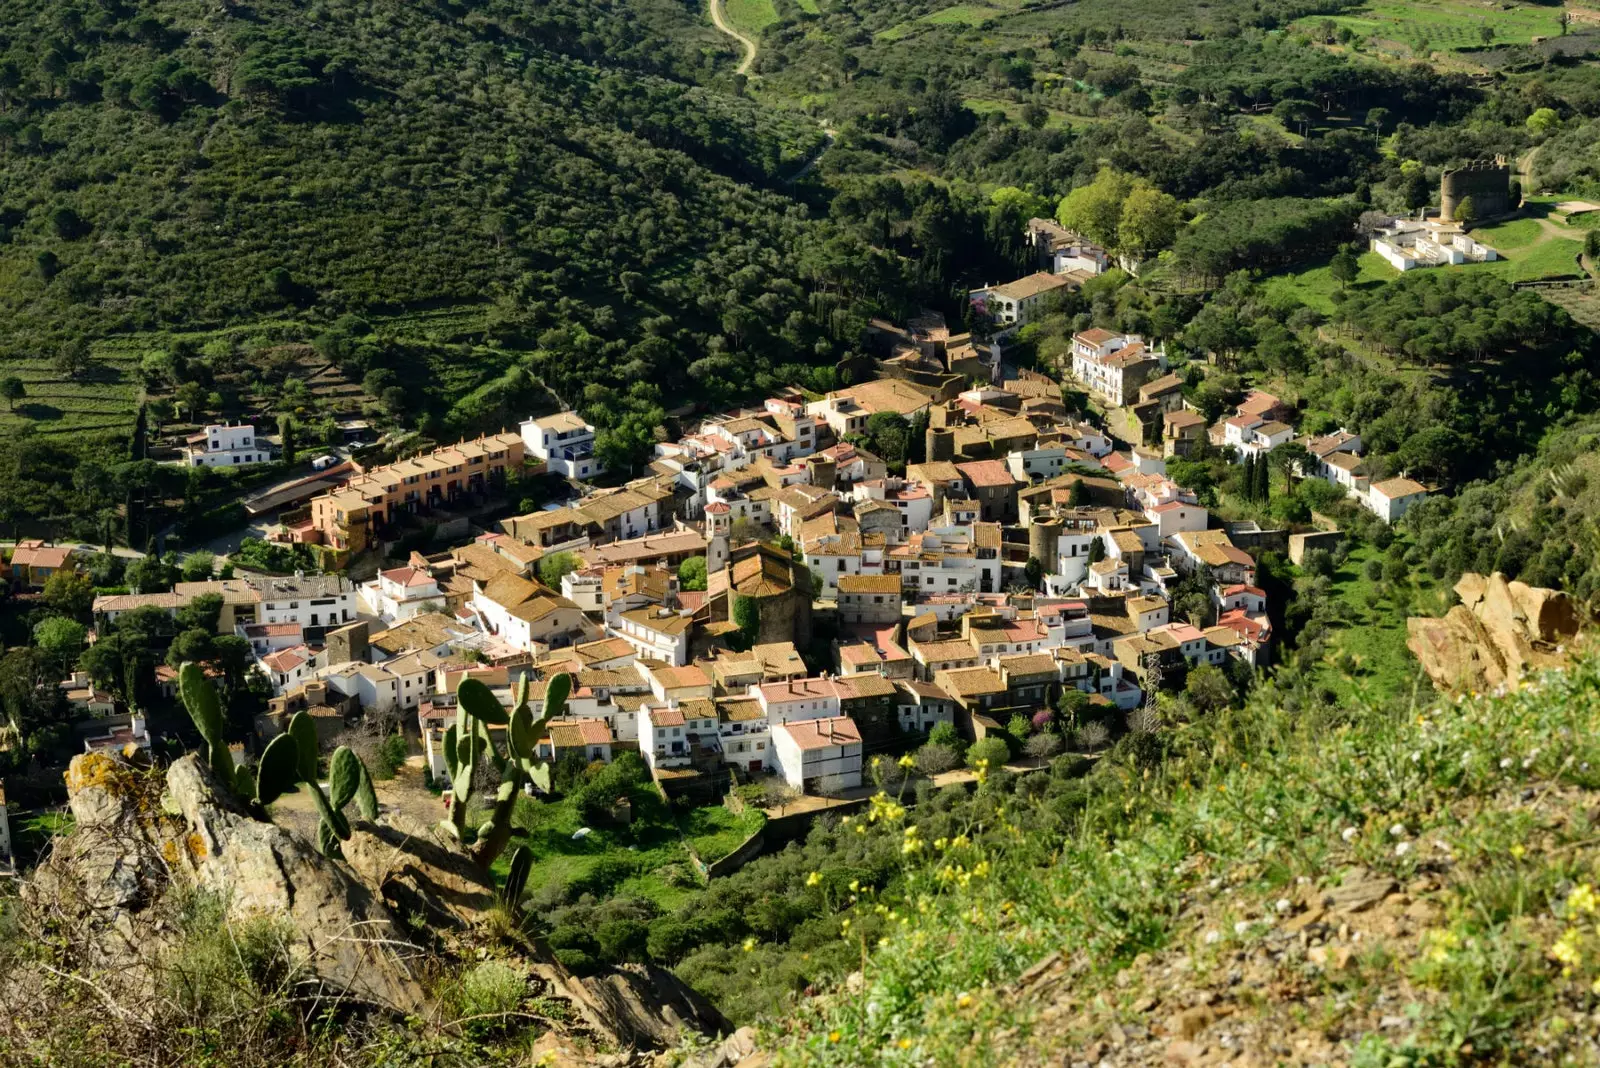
[726, 27]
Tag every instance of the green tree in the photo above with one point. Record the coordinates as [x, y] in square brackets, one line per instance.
[692, 573]
[1466, 212]
[1149, 220]
[992, 749]
[12, 389]
[1543, 120]
[196, 645]
[69, 593]
[747, 617]
[1208, 689]
[286, 439]
[72, 359]
[203, 612]
[1095, 210]
[553, 567]
[198, 567]
[1033, 570]
[60, 638]
[1345, 267]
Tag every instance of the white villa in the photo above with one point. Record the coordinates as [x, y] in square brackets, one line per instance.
[225, 446]
[1407, 244]
[565, 443]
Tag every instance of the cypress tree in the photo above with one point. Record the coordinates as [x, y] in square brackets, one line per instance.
[1249, 478]
[1263, 479]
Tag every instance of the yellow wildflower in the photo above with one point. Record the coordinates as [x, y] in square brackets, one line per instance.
[749, 944]
[814, 879]
[834, 1036]
[1566, 949]
[1582, 899]
[855, 885]
[1517, 851]
[907, 762]
[964, 1001]
[904, 1043]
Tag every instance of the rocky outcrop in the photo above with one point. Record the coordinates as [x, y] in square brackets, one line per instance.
[348, 939]
[402, 905]
[1500, 631]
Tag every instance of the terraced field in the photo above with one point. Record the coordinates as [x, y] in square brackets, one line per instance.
[1447, 25]
[104, 399]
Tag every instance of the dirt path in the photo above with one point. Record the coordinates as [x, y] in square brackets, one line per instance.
[726, 27]
[830, 135]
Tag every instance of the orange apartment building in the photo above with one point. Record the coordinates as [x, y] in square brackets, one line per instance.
[345, 520]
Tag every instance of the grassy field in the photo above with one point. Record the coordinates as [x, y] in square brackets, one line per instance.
[1447, 25]
[810, 7]
[955, 15]
[1369, 655]
[646, 859]
[751, 16]
[1315, 286]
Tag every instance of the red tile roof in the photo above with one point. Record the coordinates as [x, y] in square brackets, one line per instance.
[823, 733]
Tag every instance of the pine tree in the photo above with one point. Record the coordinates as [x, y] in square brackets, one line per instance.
[139, 447]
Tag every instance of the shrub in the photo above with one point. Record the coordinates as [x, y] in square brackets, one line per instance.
[991, 749]
[491, 989]
[1043, 746]
[934, 758]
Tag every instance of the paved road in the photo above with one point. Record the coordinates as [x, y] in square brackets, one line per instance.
[726, 27]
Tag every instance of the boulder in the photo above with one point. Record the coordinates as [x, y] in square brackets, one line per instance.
[1499, 632]
[347, 937]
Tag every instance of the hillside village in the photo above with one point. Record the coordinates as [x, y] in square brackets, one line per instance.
[768, 601]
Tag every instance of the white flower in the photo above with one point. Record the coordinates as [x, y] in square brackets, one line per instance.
[1505, 763]
[1212, 938]
[1215, 884]
[1282, 905]
[1241, 927]
[1398, 830]
[1402, 849]
[1349, 834]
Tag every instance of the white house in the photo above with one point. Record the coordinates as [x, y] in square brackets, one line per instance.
[668, 733]
[1021, 302]
[220, 445]
[1408, 244]
[1393, 497]
[1252, 600]
[372, 685]
[1114, 366]
[310, 600]
[810, 751]
[797, 699]
[745, 734]
[565, 443]
[401, 593]
[657, 632]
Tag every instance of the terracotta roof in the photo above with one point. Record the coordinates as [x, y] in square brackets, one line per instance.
[739, 709]
[862, 584]
[41, 555]
[660, 716]
[812, 689]
[1093, 336]
[576, 733]
[863, 686]
[409, 576]
[1395, 488]
[986, 473]
[674, 678]
[971, 682]
[822, 733]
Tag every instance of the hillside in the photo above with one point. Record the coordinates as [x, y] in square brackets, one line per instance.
[555, 171]
[1352, 885]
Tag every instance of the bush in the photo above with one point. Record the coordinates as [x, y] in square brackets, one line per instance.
[945, 734]
[1043, 746]
[491, 989]
[392, 753]
[934, 758]
[991, 749]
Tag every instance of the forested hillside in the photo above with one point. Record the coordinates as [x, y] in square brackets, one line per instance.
[188, 166]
